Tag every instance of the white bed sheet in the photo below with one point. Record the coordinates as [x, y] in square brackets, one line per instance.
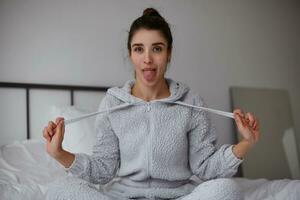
[263, 189]
[26, 170]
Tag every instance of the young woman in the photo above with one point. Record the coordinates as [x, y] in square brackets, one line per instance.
[153, 144]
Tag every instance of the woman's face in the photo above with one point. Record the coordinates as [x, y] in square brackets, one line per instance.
[150, 56]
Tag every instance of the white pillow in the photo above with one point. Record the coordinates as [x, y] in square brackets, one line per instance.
[79, 136]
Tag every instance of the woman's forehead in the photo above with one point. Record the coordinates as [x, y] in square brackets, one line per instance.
[144, 36]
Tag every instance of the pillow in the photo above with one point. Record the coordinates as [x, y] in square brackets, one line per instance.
[79, 136]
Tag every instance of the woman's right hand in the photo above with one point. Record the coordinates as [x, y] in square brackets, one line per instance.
[54, 134]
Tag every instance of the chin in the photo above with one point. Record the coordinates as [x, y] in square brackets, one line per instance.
[150, 83]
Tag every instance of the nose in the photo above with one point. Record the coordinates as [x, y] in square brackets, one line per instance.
[147, 58]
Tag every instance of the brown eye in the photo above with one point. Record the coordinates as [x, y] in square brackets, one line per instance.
[157, 49]
[138, 49]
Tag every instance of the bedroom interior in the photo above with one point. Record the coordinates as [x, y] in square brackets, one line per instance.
[27, 168]
[57, 58]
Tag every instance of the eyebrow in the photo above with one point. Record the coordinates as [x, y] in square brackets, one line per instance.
[157, 43]
[137, 44]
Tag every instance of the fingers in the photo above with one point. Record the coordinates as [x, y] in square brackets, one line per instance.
[46, 134]
[239, 121]
[247, 123]
[247, 119]
[58, 119]
[256, 124]
[61, 127]
[250, 119]
[256, 130]
[50, 130]
[241, 117]
[238, 111]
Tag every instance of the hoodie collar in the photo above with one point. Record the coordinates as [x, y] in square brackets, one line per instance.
[177, 91]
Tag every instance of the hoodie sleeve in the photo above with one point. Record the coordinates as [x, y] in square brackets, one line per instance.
[205, 160]
[101, 166]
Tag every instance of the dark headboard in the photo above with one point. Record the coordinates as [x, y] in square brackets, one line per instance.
[29, 86]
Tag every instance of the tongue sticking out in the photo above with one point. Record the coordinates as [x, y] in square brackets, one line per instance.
[149, 75]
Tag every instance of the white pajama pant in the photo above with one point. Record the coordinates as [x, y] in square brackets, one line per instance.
[71, 188]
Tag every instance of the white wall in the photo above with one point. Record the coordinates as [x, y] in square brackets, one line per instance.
[217, 44]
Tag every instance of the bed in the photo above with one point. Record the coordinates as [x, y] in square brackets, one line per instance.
[26, 169]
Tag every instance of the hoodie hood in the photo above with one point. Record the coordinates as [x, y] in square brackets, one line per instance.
[177, 91]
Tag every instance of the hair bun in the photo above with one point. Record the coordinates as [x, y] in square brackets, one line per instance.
[151, 12]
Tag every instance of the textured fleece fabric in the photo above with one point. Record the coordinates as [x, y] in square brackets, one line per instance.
[79, 189]
[154, 147]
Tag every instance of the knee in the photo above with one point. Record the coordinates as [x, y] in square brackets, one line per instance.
[225, 183]
[223, 188]
[54, 189]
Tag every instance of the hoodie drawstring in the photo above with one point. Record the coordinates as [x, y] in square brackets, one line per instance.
[218, 112]
[70, 121]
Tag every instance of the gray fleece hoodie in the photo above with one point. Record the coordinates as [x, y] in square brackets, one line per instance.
[154, 147]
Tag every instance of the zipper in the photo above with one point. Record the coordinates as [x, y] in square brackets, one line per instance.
[148, 106]
[151, 140]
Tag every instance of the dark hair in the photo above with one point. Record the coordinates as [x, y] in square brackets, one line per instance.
[150, 20]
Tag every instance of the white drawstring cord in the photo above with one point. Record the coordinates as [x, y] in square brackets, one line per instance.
[218, 112]
[70, 121]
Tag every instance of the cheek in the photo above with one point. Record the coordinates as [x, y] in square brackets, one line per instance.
[162, 62]
[163, 58]
[136, 61]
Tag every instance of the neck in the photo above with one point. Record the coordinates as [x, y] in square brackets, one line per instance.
[148, 93]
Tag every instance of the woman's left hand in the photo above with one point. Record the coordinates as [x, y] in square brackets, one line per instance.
[248, 126]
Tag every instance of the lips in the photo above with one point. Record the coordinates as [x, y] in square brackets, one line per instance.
[148, 69]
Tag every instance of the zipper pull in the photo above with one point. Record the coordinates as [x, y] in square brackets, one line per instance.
[148, 107]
